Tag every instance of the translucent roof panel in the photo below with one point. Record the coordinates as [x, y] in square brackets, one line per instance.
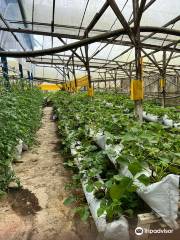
[160, 12]
[11, 10]
[108, 21]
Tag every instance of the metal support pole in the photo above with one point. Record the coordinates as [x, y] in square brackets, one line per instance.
[121, 84]
[74, 73]
[98, 85]
[20, 70]
[64, 74]
[29, 76]
[178, 83]
[138, 103]
[164, 79]
[115, 81]
[87, 66]
[5, 72]
[130, 75]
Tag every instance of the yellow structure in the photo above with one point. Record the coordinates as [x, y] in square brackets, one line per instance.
[50, 87]
[82, 82]
[90, 92]
[137, 89]
[71, 86]
[162, 83]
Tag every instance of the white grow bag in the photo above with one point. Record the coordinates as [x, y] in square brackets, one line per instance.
[162, 196]
[18, 150]
[150, 117]
[110, 231]
[167, 122]
[115, 230]
[164, 120]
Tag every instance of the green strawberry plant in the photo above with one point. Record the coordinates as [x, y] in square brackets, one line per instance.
[20, 116]
[145, 145]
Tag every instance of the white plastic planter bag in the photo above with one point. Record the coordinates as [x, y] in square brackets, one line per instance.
[18, 150]
[100, 139]
[109, 231]
[164, 120]
[162, 196]
[113, 152]
[177, 125]
[115, 230]
[167, 122]
[150, 117]
[157, 195]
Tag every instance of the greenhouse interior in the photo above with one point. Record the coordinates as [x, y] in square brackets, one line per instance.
[89, 119]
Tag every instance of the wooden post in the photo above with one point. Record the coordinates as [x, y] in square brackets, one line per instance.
[115, 80]
[138, 103]
[105, 80]
[5, 72]
[164, 80]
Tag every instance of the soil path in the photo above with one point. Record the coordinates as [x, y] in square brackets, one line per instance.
[37, 212]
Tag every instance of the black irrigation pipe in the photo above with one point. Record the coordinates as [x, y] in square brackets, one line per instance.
[85, 42]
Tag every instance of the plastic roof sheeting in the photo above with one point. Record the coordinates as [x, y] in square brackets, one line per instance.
[10, 9]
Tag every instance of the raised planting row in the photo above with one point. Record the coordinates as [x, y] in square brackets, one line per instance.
[20, 115]
[170, 112]
[117, 156]
[169, 116]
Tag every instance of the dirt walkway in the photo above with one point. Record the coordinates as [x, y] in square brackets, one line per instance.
[37, 211]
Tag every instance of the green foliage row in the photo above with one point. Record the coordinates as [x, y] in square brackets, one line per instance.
[149, 145]
[171, 112]
[20, 114]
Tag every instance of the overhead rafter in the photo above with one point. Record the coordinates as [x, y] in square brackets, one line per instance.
[139, 14]
[87, 37]
[53, 15]
[122, 20]
[96, 18]
[87, 41]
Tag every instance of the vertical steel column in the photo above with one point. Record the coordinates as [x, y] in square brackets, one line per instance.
[64, 74]
[138, 103]
[130, 76]
[68, 78]
[121, 84]
[31, 76]
[98, 85]
[20, 70]
[105, 80]
[87, 64]
[115, 81]
[159, 85]
[5, 72]
[28, 74]
[164, 79]
[74, 73]
[178, 82]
